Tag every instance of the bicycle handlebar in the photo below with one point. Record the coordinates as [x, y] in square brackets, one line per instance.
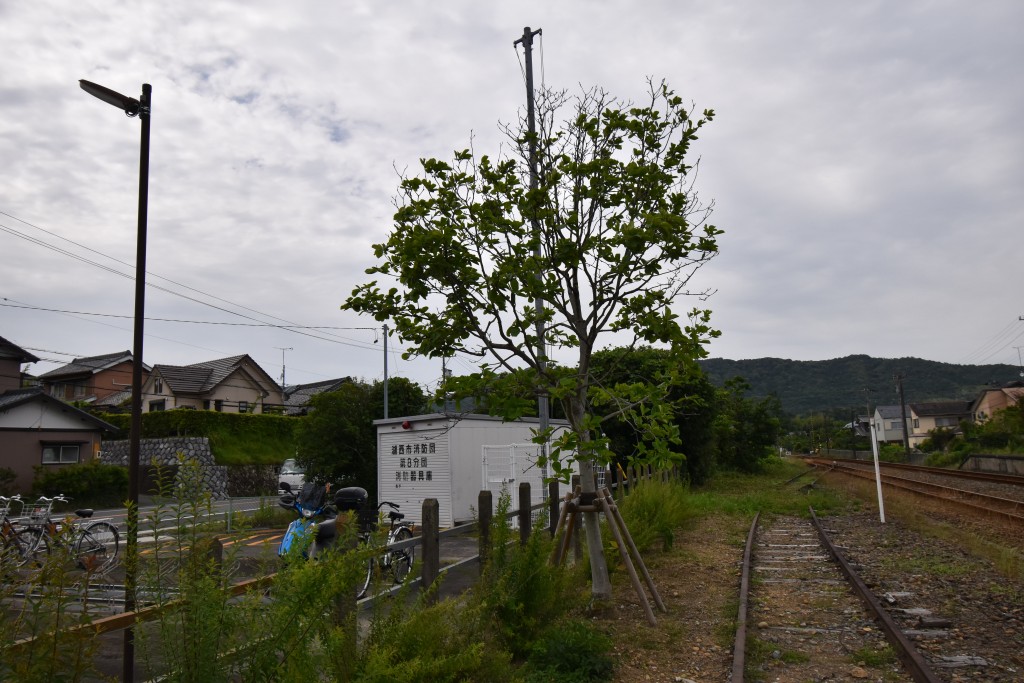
[393, 506]
[59, 498]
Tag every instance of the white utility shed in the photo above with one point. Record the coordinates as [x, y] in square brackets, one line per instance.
[441, 456]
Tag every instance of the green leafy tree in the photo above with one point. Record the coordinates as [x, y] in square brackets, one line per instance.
[746, 430]
[603, 245]
[691, 396]
[337, 442]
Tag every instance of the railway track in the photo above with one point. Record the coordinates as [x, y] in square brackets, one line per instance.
[1003, 498]
[809, 616]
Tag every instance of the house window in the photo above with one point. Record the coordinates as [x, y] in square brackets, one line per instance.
[157, 405]
[79, 389]
[59, 390]
[243, 406]
[945, 422]
[59, 454]
[206, 404]
[158, 386]
[917, 423]
[218, 405]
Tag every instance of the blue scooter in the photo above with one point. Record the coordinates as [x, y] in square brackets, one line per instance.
[315, 529]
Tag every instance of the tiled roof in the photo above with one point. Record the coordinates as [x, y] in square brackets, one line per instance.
[298, 395]
[9, 399]
[184, 380]
[89, 365]
[890, 412]
[115, 399]
[941, 408]
[16, 397]
[201, 377]
[12, 351]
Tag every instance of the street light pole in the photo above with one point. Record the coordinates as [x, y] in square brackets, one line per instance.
[142, 109]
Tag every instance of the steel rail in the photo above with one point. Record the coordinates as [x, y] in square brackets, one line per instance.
[912, 660]
[944, 493]
[905, 650]
[739, 649]
[997, 477]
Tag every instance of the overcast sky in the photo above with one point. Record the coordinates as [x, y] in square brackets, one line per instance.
[866, 165]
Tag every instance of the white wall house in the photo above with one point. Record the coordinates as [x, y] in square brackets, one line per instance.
[887, 424]
[442, 456]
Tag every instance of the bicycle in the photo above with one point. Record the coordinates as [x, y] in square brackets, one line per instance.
[94, 545]
[16, 542]
[397, 562]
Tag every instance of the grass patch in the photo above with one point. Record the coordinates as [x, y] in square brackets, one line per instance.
[745, 495]
[874, 657]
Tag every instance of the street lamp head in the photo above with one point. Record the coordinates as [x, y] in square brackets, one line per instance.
[129, 105]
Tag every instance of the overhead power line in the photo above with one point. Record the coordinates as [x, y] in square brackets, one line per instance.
[289, 325]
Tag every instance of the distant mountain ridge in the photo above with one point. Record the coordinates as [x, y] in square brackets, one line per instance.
[805, 387]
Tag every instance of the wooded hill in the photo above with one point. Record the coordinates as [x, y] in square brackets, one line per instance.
[806, 387]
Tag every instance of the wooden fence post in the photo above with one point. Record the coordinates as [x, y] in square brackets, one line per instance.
[553, 511]
[485, 510]
[431, 542]
[525, 518]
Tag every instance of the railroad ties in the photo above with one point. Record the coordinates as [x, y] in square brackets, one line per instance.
[804, 621]
[809, 615]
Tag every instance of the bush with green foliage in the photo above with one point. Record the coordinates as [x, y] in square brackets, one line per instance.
[7, 479]
[570, 651]
[519, 589]
[90, 483]
[653, 510]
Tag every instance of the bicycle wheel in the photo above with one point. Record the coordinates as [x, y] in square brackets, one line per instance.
[97, 547]
[401, 560]
[32, 547]
[362, 589]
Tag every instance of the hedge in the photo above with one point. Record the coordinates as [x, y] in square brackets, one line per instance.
[235, 439]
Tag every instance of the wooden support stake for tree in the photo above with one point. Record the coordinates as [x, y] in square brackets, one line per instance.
[613, 512]
[633, 578]
[570, 530]
[577, 524]
[557, 554]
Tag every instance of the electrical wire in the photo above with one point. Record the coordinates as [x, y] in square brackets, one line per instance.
[291, 326]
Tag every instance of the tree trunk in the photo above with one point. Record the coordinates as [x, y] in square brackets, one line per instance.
[601, 586]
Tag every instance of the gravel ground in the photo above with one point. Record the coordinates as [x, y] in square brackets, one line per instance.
[918, 557]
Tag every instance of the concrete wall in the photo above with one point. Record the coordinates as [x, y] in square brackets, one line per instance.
[1007, 464]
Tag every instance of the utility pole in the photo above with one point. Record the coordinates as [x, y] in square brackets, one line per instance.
[903, 413]
[282, 349]
[531, 126]
[385, 372]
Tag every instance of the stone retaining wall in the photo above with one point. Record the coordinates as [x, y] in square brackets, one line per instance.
[165, 452]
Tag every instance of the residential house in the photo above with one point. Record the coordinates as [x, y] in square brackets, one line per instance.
[990, 401]
[297, 396]
[11, 358]
[888, 424]
[924, 417]
[37, 429]
[92, 379]
[236, 384]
